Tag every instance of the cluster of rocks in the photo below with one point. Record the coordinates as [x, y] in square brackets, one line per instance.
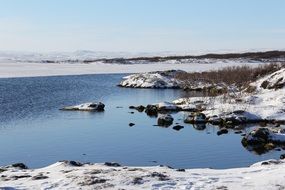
[264, 139]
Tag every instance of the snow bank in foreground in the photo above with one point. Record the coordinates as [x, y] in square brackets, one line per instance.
[73, 175]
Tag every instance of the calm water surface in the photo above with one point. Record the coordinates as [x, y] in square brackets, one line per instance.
[34, 131]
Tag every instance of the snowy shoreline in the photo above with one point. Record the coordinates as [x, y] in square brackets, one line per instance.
[74, 175]
[13, 69]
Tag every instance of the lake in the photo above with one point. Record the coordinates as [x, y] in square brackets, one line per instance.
[34, 131]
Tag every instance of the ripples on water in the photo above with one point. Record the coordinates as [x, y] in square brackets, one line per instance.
[34, 131]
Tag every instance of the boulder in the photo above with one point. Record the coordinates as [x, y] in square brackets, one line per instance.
[222, 131]
[151, 110]
[262, 140]
[215, 120]
[199, 126]
[165, 120]
[138, 108]
[177, 127]
[257, 136]
[196, 118]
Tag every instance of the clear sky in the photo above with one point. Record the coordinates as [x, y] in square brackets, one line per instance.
[141, 25]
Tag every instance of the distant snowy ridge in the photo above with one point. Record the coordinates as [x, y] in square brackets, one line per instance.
[85, 56]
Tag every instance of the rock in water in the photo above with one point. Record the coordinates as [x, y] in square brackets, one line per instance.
[177, 127]
[92, 106]
[196, 118]
[151, 110]
[138, 108]
[165, 120]
[222, 131]
[262, 140]
[131, 124]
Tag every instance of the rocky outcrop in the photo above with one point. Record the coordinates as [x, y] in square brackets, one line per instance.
[158, 79]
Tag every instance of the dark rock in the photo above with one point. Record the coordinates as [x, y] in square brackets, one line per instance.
[99, 106]
[160, 176]
[196, 118]
[199, 126]
[177, 127]
[180, 170]
[73, 163]
[16, 177]
[258, 136]
[151, 110]
[275, 162]
[138, 108]
[222, 131]
[131, 112]
[264, 84]
[165, 120]
[112, 164]
[137, 181]
[131, 124]
[92, 181]
[238, 132]
[2, 170]
[215, 120]
[20, 165]
[39, 177]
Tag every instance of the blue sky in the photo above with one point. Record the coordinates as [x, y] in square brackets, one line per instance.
[141, 25]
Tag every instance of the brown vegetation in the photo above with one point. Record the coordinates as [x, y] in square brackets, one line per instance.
[240, 76]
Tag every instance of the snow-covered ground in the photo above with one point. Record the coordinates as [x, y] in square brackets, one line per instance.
[13, 69]
[266, 103]
[71, 175]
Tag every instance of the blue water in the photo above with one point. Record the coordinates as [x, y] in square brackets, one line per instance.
[34, 131]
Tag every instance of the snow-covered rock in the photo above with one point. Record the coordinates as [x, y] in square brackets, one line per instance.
[92, 106]
[264, 135]
[159, 79]
[65, 175]
[274, 81]
[262, 140]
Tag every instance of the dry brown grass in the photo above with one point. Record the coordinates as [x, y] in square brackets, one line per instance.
[240, 76]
